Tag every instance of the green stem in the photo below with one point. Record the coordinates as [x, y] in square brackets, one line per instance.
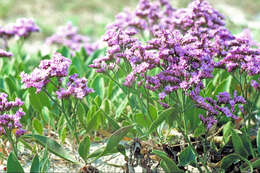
[195, 152]
[10, 139]
[65, 114]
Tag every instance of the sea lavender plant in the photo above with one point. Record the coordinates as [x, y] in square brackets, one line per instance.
[10, 123]
[68, 36]
[22, 28]
[170, 51]
[55, 71]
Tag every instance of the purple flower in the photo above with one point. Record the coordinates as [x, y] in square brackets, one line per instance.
[4, 53]
[40, 77]
[68, 36]
[255, 85]
[10, 121]
[23, 27]
[76, 87]
[209, 121]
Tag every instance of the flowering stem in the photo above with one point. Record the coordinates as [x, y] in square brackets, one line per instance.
[65, 114]
[195, 152]
[9, 136]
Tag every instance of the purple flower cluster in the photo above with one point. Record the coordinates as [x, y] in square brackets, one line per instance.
[68, 36]
[40, 77]
[10, 121]
[165, 49]
[220, 106]
[177, 44]
[57, 67]
[255, 84]
[23, 27]
[76, 87]
[4, 53]
[209, 121]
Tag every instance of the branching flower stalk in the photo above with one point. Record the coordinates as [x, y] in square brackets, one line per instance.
[57, 67]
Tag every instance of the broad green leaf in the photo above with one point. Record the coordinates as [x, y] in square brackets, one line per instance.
[45, 101]
[187, 156]
[199, 131]
[111, 121]
[116, 137]
[81, 113]
[162, 116]
[98, 101]
[164, 166]
[121, 107]
[153, 111]
[121, 149]
[10, 85]
[142, 120]
[100, 152]
[35, 167]
[93, 122]
[227, 161]
[225, 85]
[35, 102]
[13, 164]
[84, 147]
[37, 125]
[227, 131]
[52, 146]
[64, 51]
[256, 164]
[169, 162]
[238, 145]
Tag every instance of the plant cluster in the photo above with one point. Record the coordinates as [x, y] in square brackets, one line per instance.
[163, 70]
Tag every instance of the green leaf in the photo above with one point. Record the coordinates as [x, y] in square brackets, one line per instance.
[142, 120]
[227, 161]
[121, 107]
[35, 167]
[187, 156]
[164, 166]
[98, 101]
[256, 164]
[64, 51]
[81, 113]
[238, 145]
[168, 162]
[227, 130]
[199, 131]
[153, 111]
[111, 121]
[93, 121]
[116, 137]
[63, 134]
[162, 116]
[84, 147]
[121, 149]
[225, 85]
[45, 101]
[11, 86]
[52, 146]
[258, 141]
[13, 165]
[37, 125]
[35, 102]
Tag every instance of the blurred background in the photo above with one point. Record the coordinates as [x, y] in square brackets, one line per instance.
[92, 16]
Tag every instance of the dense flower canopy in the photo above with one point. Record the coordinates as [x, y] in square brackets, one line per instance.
[183, 46]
